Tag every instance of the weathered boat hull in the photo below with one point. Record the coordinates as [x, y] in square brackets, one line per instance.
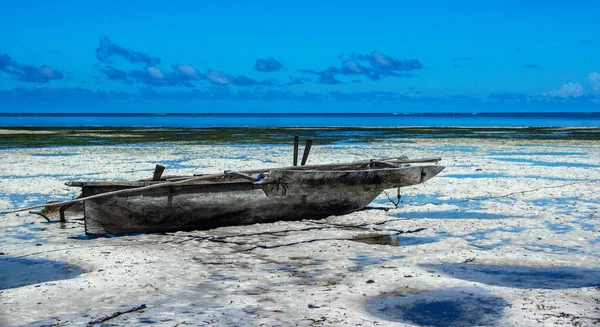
[283, 195]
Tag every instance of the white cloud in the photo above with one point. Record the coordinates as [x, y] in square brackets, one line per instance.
[219, 78]
[569, 90]
[154, 72]
[382, 59]
[595, 80]
[351, 66]
[187, 71]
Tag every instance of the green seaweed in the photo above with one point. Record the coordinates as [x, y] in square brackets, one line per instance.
[83, 136]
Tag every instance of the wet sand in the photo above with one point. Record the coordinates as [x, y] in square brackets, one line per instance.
[507, 235]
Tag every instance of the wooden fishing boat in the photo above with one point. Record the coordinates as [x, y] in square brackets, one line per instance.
[239, 198]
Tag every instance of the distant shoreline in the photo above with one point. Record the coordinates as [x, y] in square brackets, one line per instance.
[86, 136]
[301, 119]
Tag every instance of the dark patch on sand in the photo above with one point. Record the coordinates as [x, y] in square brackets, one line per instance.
[458, 307]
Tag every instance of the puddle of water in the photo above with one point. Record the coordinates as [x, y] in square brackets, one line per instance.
[146, 320]
[420, 199]
[559, 228]
[417, 240]
[458, 307]
[538, 153]
[59, 176]
[521, 276]
[220, 277]
[483, 234]
[174, 164]
[452, 214]
[555, 178]
[25, 232]
[481, 241]
[17, 272]
[483, 245]
[548, 163]
[83, 237]
[455, 148]
[361, 261]
[378, 239]
[556, 201]
[477, 175]
[55, 154]
[180, 153]
[500, 175]
[396, 239]
[19, 199]
[586, 226]
[464, 204]
[565, 205]
[538, 247]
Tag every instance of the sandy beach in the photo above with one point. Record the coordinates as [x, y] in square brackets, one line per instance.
[506, 235]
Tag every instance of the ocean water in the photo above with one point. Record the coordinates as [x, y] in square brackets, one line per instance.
[560, 119]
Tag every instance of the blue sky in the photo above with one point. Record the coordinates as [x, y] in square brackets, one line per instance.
[299, 56]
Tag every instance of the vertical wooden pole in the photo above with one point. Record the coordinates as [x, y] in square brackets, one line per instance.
[296, 140]
[61, 212]
[158, 170]
[306, 152]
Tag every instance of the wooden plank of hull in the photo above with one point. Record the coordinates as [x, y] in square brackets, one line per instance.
[164, 210]
[283, 195]
[290, 182]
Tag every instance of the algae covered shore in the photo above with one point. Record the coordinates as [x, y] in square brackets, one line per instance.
[66, 136]
[506, 235]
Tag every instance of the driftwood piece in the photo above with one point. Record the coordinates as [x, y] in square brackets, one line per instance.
[116, 314]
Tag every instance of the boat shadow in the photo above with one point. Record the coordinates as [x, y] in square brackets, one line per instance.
[520, 276]
[17, 272]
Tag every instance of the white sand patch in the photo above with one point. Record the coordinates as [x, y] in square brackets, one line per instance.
[24, 131]
[522, 239]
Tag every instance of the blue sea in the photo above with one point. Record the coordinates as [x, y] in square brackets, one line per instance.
[555, 119]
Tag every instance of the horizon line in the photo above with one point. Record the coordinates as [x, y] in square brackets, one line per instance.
[493, 113]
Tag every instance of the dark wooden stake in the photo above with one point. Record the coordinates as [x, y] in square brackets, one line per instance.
[306, 152]
[296, 140]
[158, 171]
[61, 212]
